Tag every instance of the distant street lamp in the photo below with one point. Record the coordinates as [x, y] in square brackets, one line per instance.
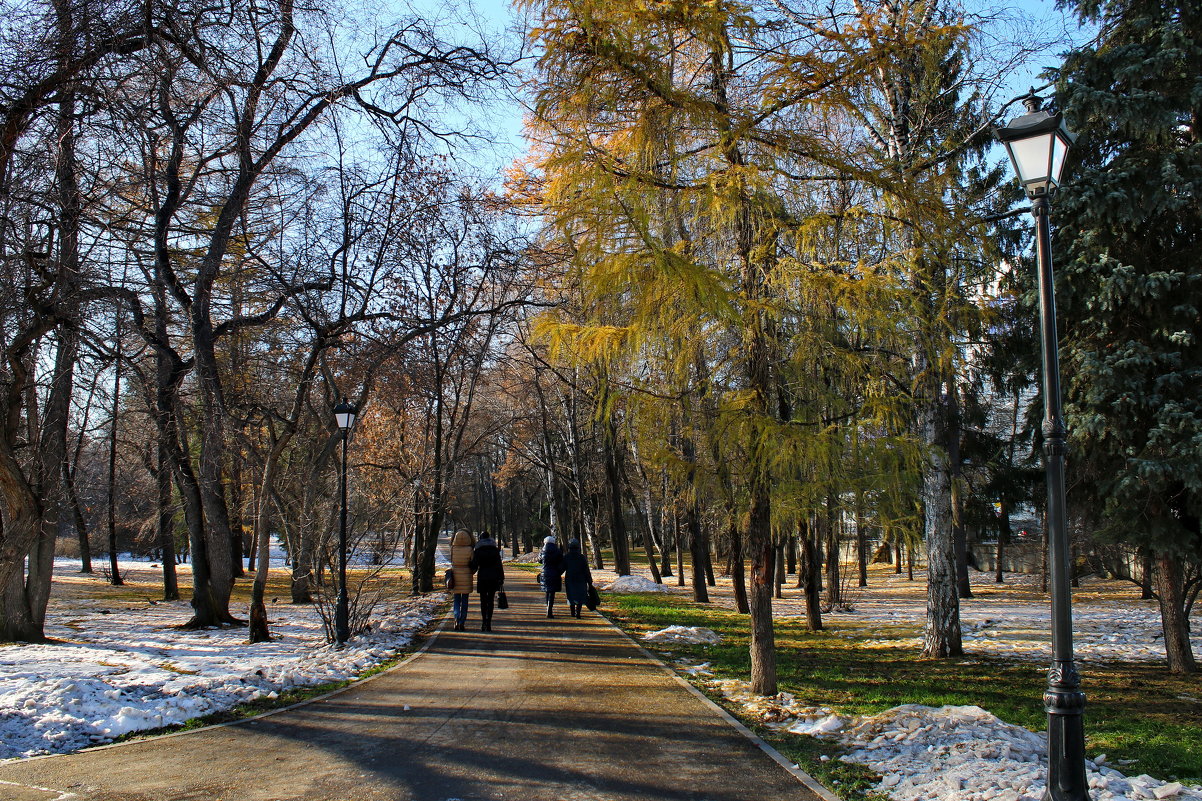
[1037, 143]
[344, 415]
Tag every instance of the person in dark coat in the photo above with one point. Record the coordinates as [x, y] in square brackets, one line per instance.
[576, 577]
[490, 576]
[552, 558]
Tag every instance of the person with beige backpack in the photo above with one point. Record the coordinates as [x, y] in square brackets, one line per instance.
[459, 577]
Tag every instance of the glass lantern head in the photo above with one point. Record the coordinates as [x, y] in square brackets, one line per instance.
[1037, 143]
[344, 414]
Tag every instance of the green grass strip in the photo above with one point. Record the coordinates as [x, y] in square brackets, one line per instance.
[1142, 717]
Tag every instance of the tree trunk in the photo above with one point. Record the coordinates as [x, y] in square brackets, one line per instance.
[1174, 622]
[959, 535]
[259, 630]
[678, 530]
[172, 444]
[237, 525]
[834, 586]
[115, 578]
[80, 522]
[211, 603]
[253, 553]
[809, 572]
[696, 549]
[70, 468]
[166, 529]
[648, 539]
[15, 623]
[1148, 565]
[692, 521]
[52, 454]
[941, 638]
[665, 546]
[861, 539]
[778, 591]
[738, 571]
[27, 597]
[707, 553]
[613, 481]
[763, 637]
[594, 537]
[170, 370]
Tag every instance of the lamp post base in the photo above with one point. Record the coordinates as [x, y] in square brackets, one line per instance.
[1065, 704]
[342, 622]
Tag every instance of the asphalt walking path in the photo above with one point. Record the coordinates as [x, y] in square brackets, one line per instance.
[536, 710]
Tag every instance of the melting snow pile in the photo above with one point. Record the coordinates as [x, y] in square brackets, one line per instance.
[118, 672]
[684, 634]
[637, 584]
[781, 711]
[953, 753]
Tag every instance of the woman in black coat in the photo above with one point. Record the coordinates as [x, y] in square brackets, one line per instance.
[490, 576]
[552, 559]
[576, 577]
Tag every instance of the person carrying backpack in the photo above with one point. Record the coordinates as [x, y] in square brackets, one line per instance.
[460, 582]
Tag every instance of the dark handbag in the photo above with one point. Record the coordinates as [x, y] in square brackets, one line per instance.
[502, 601]
[448, 579]
[594, 599]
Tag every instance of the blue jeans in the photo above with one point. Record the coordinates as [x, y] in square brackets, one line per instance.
[459, 606]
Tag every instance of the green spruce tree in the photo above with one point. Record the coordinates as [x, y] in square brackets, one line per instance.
[1128, 247]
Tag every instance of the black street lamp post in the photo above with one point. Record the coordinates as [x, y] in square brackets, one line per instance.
[1037, 142]
[344, 415]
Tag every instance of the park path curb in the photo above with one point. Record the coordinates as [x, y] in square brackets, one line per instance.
[809, 781]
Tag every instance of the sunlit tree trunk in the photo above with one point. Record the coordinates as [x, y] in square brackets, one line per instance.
[941, 636]
[1174, 622]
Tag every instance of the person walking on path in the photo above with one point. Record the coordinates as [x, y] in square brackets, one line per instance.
[461, 575]
[552, 559]
[576, 577]
[490, 576]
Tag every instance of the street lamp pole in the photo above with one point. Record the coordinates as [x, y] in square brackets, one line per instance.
[1037, 142]
[1063, 698]
[344, 414]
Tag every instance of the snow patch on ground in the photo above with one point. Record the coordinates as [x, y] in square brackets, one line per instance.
[636, 584]
[1010, 627]
[118, 667]
[684, 634]
[953, 753]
